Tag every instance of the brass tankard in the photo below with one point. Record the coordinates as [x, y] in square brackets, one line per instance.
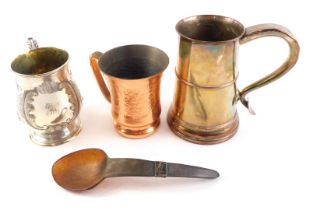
[204, 106]
[48, 99]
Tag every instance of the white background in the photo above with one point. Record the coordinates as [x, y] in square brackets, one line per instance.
[267, 165]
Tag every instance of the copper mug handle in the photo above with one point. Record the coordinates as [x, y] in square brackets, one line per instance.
[264, 30]
[94, 59]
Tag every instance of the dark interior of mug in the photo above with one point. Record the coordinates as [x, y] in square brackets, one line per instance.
[39, 61]
[210, 28]
[133, 62]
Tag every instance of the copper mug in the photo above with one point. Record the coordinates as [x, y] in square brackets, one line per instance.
[204, 106]
[133, 73]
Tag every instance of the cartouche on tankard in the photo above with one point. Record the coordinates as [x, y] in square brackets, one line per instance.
[48, 99]
[204, 106]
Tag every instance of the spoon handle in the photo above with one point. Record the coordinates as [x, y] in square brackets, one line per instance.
[117, 167]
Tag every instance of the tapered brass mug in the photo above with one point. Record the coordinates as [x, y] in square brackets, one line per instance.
[48, 99]
[204, 106]
[133, 73]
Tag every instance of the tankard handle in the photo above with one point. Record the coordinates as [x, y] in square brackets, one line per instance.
[94, 58]
[264, 30]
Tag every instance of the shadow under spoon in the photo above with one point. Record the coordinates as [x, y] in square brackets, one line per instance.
[84, 169]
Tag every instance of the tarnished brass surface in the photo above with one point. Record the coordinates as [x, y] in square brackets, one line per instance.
[84, 169]
[204, 105]
[49, 100]
[133, 73]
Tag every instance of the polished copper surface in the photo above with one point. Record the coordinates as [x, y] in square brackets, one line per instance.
[204, 105]
[133, 73]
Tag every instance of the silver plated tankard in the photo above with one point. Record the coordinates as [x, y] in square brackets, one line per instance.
[49, 101]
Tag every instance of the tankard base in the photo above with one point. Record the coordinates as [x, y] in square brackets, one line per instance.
[203, 135]
[57, 137]
[138, 132]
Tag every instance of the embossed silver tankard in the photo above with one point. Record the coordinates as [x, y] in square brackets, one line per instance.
[48, 99]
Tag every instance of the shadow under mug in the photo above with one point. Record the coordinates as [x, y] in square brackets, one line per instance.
[133, 73]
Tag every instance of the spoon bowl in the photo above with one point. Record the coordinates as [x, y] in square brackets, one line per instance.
[80, 170]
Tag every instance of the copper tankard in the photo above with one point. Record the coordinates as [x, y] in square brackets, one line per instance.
[133, 73]
[204, 106]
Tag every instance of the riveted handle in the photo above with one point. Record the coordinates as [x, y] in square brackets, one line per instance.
[264, 30]
[94, 58]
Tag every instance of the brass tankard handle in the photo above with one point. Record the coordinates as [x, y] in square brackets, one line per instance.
[264, 30]
[94, 59]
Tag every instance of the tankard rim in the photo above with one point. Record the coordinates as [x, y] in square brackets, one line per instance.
[65, 63]
[210, 18]
[147, 52]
